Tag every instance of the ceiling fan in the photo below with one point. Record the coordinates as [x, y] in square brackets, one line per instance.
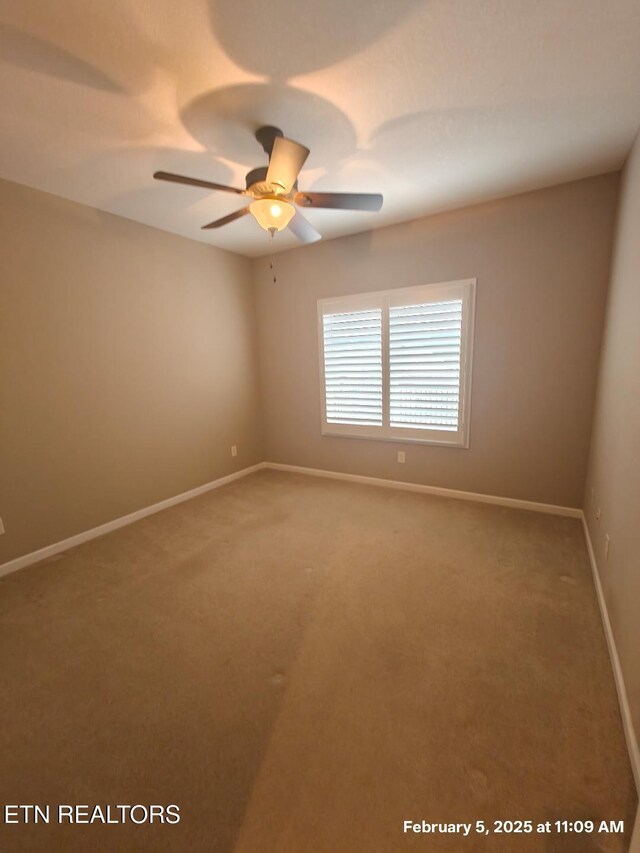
[273, 190]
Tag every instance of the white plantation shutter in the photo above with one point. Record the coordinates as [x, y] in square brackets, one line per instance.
[353, 367]
[396, 364]
[424, 365]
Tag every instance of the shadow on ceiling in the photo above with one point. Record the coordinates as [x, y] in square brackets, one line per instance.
[24, 50]
[258, 36]
[138, 203]
[131, 199]
[225, 121]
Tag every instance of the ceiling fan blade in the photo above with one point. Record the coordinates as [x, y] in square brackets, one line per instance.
[287, 158]
[237, 214]
[196, 182]
[340, 201]
[303, 229]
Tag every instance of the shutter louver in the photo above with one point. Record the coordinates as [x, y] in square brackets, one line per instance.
[424, 365]
[353, 367]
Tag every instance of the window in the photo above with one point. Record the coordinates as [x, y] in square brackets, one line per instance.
[397, 364]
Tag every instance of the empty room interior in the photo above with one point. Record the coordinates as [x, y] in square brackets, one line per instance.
[319, 426]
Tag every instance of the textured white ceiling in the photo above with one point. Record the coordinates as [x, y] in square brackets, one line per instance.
[435, 103]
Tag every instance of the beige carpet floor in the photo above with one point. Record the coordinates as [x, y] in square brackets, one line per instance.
[301, 665]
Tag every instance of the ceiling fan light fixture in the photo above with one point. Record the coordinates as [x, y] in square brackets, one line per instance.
[272, 213]
[273, 190]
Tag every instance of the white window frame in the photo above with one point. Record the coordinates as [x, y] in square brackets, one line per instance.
[465, 289]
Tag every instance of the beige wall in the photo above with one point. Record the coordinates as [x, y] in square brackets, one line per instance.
[127, 367]
[127, 362]
[614, 466]
[542, 263]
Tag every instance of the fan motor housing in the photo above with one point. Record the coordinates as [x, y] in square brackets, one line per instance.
[257, 182]
[257, 177]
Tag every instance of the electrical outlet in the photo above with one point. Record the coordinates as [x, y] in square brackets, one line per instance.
[234, 450]
[606, 546]
[401, 456]
[598, 514]
[1, 527]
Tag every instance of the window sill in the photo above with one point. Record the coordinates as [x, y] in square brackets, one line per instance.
[460, 444]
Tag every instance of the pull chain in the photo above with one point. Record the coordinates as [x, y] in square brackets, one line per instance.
[272, 232]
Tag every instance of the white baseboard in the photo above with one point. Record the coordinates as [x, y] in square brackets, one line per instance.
[101, 530]
[623, 701]
[572, 512]
[86, 535]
